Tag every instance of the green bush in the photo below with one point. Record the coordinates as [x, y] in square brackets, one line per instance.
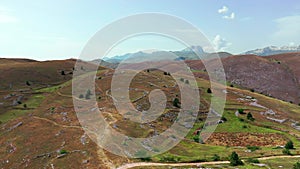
[250, 117]
[81, 96]
[253, 148]
[170, 158]
[241, 111]
[289, 145]
[216, 157]
[252, 160]
[63, 151]
[235, 159]
[176, 103]
[296, 165]
[286, 152]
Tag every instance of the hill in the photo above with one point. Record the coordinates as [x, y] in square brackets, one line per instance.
[274, 76]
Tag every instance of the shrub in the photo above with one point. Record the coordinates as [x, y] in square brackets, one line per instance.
[231, 85]
[187, 82]
[253, 148]
[25, 106]
[252, 90]
[250, 117]
[296, 165]
[235, 159]
[88, 94]
[289, 145]
[286, 152]
[209, 90]
[216, 157]
[252, 160]
[176, 103]
[170, 159]
[28, 83]
[63, 73]
[63, 151]
[81, 96]
[182, 79]
[196, 138]
[241, 111]
[223, 118]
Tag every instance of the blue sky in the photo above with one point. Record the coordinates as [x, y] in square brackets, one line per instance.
[59, 29]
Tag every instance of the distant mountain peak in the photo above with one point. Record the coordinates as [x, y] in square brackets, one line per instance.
[272, 50]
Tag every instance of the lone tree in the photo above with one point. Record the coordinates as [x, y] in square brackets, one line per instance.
[289, 145]
[250, 117]
[28, 83]
[235, 159]
[176, 102]
[296, 165]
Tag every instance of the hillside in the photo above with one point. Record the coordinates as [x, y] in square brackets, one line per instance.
[47, 134]
[274, 76]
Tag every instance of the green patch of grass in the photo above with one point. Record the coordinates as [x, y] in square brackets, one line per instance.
[32, 103]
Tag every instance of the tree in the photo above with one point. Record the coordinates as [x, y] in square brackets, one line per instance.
[235, 159]
[25, 106]
[209, 90]
[296, 165]
[182, 79]
[176, 102]
[250, 117]
[289, 145]
[28, 83]
[63, 73]
[187, 82]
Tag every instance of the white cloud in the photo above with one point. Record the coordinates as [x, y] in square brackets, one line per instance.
[231, 16]
[224, 9]
[288, 29]
[220, 43]
[6, 16]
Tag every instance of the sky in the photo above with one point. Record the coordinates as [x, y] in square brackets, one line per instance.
[59, 29]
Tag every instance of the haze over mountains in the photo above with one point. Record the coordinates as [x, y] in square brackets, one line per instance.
[185, 54]
[189, 53]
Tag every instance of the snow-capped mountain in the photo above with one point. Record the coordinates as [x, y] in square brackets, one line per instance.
[272, 50]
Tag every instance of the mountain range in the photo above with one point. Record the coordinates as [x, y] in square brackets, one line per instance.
[272, 50]
[189, 54]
